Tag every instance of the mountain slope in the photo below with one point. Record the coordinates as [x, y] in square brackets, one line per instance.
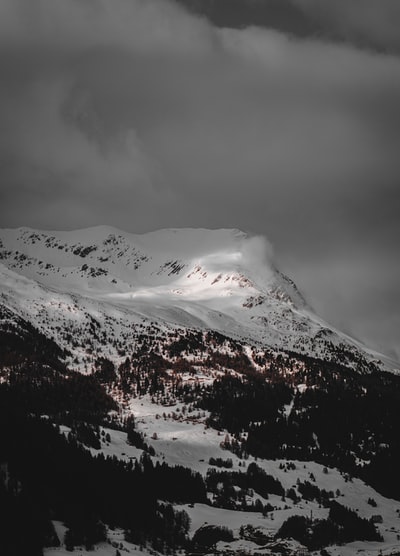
[222, 280]
[201, 418]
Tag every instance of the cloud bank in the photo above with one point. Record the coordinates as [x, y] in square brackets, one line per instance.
[366, 22]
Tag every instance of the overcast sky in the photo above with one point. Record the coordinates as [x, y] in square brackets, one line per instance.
[142, 114]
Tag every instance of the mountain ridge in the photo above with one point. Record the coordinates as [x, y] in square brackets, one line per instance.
[224, 280]
[182, 368]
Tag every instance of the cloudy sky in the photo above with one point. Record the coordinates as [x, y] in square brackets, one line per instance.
[279, 117]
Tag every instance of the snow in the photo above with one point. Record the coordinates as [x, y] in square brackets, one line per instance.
[201, 514]
[206, 279]
[187, 442]
[223, 280]
[115, 540]
[184, 440]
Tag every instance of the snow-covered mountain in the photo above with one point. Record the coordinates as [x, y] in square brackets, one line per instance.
[223, 280]
[178, 393]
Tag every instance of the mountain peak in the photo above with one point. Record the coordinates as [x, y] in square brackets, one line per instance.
[164, 259]
[223, 279]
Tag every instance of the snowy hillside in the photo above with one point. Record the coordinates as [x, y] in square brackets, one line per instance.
[172, 392]
[222, 280]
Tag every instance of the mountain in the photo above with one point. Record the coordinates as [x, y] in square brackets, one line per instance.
[221, 280]
[174, 391]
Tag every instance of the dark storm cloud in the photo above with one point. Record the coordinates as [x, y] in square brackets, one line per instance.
[282, 15]
[374, 23]
[137, 114]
